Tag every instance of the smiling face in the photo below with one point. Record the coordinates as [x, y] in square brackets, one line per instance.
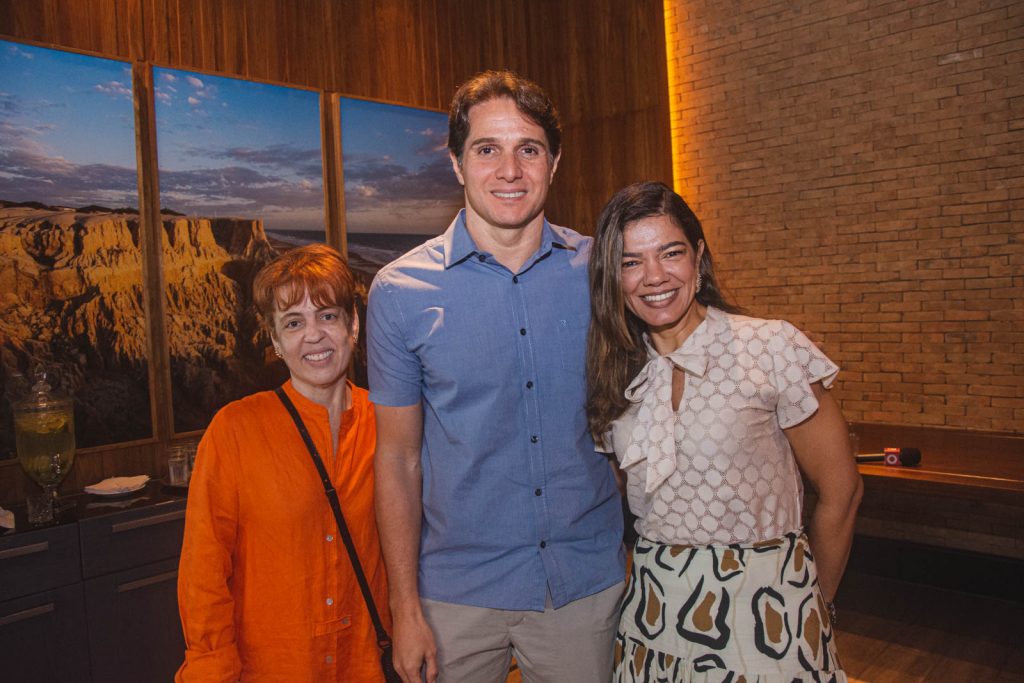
[506, 168]
[659, 279]
[316, 344]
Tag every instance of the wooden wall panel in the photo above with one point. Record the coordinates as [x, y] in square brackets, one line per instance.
[380, 50]
[602, 61]
[109, 29]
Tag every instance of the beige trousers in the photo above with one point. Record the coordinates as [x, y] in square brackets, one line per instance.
[572, 644]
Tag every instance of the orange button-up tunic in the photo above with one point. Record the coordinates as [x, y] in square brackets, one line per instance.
[265, 587]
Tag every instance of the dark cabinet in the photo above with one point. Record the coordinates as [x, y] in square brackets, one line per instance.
[135, 634]
[42, 613]
[94, 599]
[43, 637]
[131, 538]
[34, 561]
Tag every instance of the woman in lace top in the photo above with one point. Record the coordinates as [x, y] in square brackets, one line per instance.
[713, 416]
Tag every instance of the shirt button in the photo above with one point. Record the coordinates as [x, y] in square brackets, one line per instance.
[529, 385]
[515, 279]
[522, 331]
[543, 544]
[537, 492]
[329, 659]
[330, 601]
[481, 257]
[330, 538]
[534, 439]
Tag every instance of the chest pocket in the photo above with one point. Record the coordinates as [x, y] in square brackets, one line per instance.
[572, 343]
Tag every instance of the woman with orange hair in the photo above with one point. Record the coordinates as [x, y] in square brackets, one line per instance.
[266, 589]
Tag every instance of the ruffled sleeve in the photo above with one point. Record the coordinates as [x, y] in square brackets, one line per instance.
[797, 364]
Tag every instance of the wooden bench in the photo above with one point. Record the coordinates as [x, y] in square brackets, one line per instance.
[955, 462]
[968, 491]
[956, 520]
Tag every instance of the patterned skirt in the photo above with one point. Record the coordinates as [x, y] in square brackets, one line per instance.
[724, 614]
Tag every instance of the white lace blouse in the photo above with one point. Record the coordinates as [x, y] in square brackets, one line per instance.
[720, 470]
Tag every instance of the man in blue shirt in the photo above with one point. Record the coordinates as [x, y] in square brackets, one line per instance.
[501, 526]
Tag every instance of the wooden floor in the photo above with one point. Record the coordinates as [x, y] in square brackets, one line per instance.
[896, 632]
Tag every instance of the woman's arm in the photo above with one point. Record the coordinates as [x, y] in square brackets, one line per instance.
[204, 597]
[822, 448]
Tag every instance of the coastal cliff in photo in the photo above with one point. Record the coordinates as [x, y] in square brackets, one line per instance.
[218, 348]
[71, 298]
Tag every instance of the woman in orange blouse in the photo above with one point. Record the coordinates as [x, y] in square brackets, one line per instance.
[266, 589]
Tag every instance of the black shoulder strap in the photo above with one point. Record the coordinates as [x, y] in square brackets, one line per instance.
[383, 639]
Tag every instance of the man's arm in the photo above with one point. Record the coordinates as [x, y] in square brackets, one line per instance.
[822, 448]
[399, 505]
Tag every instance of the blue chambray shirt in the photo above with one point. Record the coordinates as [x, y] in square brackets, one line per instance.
[516, 501]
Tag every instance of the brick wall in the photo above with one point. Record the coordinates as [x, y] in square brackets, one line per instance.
[859, 169]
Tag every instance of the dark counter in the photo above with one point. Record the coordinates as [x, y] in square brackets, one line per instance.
[92, 596]
[79, 506]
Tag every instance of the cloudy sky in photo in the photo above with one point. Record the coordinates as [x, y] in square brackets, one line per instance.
[67, 132]
[226, 147]
[229, 147]
[398, 178]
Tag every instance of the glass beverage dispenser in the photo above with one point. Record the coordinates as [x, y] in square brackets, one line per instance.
[44, 430]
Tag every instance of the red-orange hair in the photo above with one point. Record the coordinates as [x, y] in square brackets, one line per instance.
[317, 269]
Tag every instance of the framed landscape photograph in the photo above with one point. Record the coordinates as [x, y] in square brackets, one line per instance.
[70, 258]
[241, 180]
[400, 189]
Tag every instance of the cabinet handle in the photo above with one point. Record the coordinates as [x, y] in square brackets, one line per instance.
[26, 614]
[147, 521]
[25, 550]
[148, 581]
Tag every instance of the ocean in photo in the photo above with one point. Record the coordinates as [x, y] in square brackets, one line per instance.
[368, 251]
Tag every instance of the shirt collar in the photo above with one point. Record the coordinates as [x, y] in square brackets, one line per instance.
[698, 341]
[311, 409]
[459, 245]
[652, 436]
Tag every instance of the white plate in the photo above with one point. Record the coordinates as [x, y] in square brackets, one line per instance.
[121, 492]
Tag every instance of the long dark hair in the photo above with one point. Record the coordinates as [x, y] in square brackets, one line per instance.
[615, 347]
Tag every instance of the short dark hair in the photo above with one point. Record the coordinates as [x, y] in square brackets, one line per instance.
[531, 101]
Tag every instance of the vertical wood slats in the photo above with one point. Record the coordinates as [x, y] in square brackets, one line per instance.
[602, 61]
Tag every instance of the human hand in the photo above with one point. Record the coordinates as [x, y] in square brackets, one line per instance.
[415, 652]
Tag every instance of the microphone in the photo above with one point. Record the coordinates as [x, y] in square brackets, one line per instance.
[893, 457]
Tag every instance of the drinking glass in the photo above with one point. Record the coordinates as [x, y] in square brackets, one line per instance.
[177, 465]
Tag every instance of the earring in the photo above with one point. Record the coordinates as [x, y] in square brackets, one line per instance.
[277, 350]
[700, 283]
